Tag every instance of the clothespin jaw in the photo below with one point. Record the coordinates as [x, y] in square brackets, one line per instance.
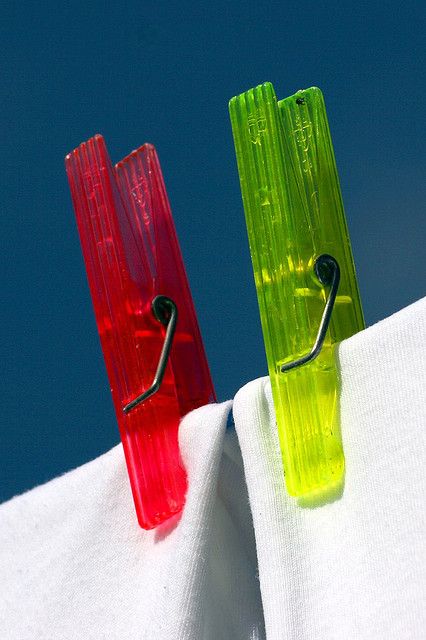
[146, 320]
[304, 273]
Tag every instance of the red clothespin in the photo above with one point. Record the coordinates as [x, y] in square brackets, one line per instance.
[146, 320]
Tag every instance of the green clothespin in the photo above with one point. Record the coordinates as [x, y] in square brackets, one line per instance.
[304, 273]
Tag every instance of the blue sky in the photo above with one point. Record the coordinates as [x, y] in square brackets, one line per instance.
[163, 72]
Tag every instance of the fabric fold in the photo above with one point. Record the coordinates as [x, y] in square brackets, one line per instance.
[74, 563]
[352, 568]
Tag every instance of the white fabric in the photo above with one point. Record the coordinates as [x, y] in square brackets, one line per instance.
[353, 569]
[74, 564]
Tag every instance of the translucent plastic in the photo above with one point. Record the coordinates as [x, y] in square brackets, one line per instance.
[294, 213]
[132, 255]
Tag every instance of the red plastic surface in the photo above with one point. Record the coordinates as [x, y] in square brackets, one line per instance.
[132, 254]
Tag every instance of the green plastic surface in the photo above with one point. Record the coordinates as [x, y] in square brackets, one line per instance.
[294, 213]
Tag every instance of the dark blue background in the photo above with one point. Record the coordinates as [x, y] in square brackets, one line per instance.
[164, 72]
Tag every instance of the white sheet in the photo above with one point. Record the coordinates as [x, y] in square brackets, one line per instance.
[74, 564]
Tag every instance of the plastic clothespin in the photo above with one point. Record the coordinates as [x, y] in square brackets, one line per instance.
[146, 320]
[304, 273]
